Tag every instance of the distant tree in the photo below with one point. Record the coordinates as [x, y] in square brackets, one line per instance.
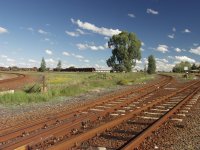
[43, 65]
[179, 68]
[59, 65]
[71, 67]
[125, 51]
[151, 65]
[194, 67]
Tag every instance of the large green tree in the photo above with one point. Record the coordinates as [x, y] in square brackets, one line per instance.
[42, 65]
[151, 65]
[180, 67]
[125, 51]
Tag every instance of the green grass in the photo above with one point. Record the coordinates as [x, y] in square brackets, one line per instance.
[71, 84]
[181, 77]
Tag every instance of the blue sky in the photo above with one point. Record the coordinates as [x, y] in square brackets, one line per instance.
[76, 31]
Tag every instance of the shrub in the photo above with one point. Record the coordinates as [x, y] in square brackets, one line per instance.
[36, 88]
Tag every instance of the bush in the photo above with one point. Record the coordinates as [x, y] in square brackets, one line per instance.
[123, 82]
[36, 88]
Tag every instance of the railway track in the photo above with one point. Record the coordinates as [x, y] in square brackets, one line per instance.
[128, 131]
[32, 135]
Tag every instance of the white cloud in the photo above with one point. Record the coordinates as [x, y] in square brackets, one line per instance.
[30, 29]
[138, 62]
[184, 58]
[80, 31]
[142, 43]
[174, 29]
[145, 60]
[102, 61]
[91, 47]
[195, 50]
[3, 30]
[4, 56]
[50, 60]
[91, 27]
[178, 50]
[162, 48]
[51, 63]
[106, 38]
[131, 15]
[195, 44]
[142, 49]
[162, 66]
[171, 36]
[151, 11]
[187, 31]
[82, 46]
[162, 60]
[77, 56]
[42, 31]
[49, 52]
[10, 60]
[86, 60]
[32, 61]
[170, 57]
[74, 34]
[46, 39]
[66, 53]
[77, 33]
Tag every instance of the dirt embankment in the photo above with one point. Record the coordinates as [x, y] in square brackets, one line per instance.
[14, 83]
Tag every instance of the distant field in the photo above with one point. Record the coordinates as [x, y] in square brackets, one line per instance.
[71, 84]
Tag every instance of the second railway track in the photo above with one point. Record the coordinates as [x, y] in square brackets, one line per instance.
[26, 134]
[107, 123]
[127, 130]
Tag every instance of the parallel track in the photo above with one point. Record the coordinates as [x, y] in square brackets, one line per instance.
[128, 131]
[29, 134]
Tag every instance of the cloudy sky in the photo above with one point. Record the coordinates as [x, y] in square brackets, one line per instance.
[76, 31]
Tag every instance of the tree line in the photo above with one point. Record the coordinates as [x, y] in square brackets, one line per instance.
[126, 51]
[179, 68]
[44, 68]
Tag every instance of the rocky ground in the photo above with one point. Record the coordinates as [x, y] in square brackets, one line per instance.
[12, 115]
[175, 135]
[179, 136]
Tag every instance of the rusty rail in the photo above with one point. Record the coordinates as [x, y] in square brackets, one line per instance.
[76, 140]
[134, 143]
[103, 100]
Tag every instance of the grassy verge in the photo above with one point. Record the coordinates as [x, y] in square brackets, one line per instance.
[72, 84]
[181, 77]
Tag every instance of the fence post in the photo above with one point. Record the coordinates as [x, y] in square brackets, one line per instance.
[44, 87]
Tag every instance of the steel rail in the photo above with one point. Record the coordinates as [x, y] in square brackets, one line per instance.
[136, 141]
[130, 92]
[95, 131]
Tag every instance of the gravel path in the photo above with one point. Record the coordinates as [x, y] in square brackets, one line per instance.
[175, 135]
